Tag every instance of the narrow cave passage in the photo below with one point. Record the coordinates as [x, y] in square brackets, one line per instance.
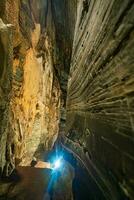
[66, 97]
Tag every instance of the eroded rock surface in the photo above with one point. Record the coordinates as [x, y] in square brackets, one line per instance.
[100, 117]
[38, 39]
[34, 72]
[5, 89]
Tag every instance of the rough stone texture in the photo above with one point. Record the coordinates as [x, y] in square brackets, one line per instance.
[5, 89]
[35, 54]
[30, 103]
[100, 116]
[41, 47]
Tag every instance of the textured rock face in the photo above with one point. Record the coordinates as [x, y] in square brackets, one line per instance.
[36, 39]
[5, 86]
[100, 118]
[35, 54]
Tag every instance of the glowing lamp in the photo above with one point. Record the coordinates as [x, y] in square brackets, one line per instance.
[57, 164]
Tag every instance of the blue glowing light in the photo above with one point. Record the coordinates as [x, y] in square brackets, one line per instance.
[57, 163]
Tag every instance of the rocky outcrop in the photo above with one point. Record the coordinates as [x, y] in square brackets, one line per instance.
[35, 56]
[37, 184]
[5, 88]
[100, 119]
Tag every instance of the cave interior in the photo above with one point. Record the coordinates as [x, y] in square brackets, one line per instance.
[66, 100]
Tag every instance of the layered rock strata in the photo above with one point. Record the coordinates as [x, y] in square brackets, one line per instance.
[100, 118]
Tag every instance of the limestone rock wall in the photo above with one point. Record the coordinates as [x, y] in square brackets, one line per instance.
[100, 114]
[6, 49]
[38, 59]
[29, 88]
